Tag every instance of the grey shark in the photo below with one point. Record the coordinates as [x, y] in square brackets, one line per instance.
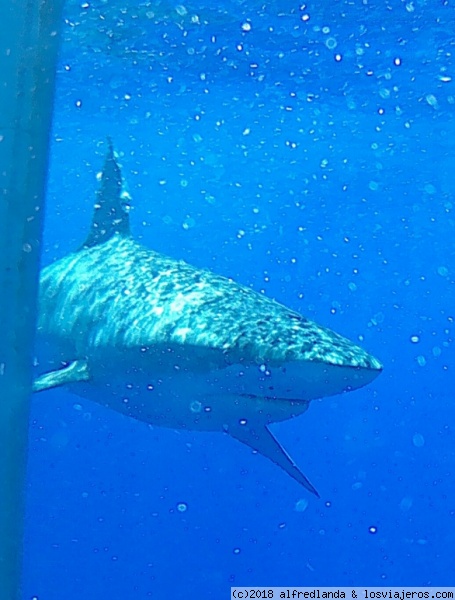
[175, 346]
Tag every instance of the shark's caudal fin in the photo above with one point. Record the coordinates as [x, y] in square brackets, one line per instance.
[263, 441]
[111, 210]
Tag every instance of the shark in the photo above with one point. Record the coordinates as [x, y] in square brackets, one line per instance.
[176, 346]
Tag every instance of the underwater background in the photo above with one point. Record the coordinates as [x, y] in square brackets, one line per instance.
[306, 150]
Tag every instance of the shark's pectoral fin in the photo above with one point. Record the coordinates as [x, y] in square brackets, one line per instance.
[75, 372]
[262, 441]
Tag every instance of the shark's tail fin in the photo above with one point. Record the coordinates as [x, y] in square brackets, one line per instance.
[111, 210]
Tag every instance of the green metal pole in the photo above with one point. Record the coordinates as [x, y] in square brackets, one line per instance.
[28, 53]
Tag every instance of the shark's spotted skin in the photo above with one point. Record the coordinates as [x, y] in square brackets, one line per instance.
[169, 344]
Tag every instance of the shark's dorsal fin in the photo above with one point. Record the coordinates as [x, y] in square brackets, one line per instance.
[111, 210]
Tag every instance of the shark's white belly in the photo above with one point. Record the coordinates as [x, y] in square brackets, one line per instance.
[179, 406]
[193, 393]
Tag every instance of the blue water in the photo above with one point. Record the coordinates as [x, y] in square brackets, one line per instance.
[307, 151]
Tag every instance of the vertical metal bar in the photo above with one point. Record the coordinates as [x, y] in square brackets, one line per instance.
[28, 53]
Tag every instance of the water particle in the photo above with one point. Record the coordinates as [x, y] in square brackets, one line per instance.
[195, 406]
[443, 271]
[181, 10]
[236, 551]
[418, 440]
[432, 100]
[182, 507]
[415, 339]
[406, 503]
[421, 360]
[188, 223]
[430, 189]
[373, 529]
[377, 319]
[331, 43]
[373, 185]
[301, 505]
